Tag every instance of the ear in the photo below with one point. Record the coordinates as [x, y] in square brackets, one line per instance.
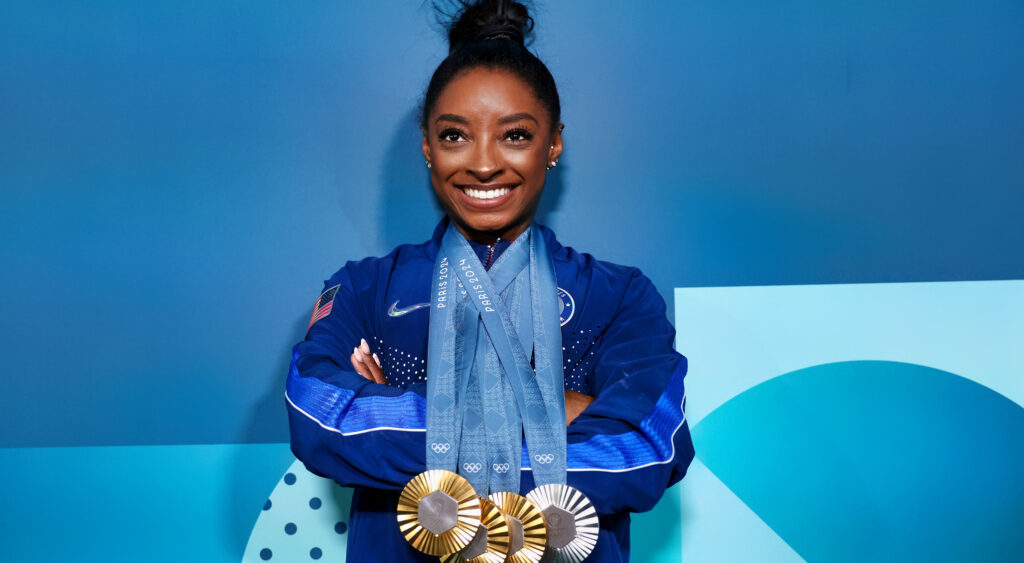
[555, 151]
[426, 145]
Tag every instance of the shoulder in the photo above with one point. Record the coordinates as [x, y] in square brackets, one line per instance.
[602, 289]
[586, 267]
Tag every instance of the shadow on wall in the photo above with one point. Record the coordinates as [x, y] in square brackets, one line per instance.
[270, 407]
[654, 535]
[409, 210]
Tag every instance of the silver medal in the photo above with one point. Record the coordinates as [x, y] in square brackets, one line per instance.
[571, 521]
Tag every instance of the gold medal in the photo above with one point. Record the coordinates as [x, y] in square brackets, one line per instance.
[491, 543]
[571, 521]
[528, 532]
[438, 512]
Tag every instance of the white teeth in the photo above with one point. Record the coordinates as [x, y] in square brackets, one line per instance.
[486, 194]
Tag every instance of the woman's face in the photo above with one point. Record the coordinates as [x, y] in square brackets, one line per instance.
[489, 141]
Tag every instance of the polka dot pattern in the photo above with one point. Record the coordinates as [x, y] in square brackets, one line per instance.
[404, 368]
[305, 519]
[401, 367]
[578, 357]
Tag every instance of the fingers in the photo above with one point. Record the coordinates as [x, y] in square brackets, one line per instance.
[367, 364]
[372, 362]
[357, 364]
[575, 404]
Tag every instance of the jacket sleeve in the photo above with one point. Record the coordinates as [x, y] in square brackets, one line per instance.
[343, 426]
[633, 441]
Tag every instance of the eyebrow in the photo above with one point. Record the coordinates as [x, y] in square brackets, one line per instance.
[506, 119]
[518, 117]
[452, 117]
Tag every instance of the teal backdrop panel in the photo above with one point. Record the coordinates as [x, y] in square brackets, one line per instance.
[863, 422]
[134, 503]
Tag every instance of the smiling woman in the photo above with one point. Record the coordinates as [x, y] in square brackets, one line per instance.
[540, 400]
[488, 142]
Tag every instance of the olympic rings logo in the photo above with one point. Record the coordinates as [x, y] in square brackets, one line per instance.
[501, 467]
[546, 458]
[440, 448]
[472, 467]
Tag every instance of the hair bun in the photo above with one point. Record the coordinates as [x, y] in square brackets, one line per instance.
[486, 20]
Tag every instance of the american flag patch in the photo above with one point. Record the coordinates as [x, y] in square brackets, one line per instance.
[323, 305]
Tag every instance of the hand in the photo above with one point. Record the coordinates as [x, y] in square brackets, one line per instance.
[367, 364]
[575, 403]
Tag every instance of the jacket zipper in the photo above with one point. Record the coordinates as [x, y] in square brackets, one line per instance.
[490, 254]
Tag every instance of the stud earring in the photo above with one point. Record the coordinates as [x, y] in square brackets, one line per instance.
[428, 164]
[552, 164]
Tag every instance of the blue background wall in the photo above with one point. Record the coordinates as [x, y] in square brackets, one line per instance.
[177, 179]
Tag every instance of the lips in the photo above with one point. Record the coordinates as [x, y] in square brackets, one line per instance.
[486, 194]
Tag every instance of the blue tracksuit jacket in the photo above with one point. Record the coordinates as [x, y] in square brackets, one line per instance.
[623, 451]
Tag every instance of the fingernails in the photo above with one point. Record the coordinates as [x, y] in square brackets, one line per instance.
[364, 346]
[358, 353]
[376, 359]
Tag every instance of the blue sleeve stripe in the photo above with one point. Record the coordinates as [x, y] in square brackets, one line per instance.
[653, 444]
[336, 408]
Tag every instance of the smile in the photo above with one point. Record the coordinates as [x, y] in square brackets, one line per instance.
[486, 194]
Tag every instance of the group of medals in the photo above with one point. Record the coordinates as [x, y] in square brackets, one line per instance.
[440, 514]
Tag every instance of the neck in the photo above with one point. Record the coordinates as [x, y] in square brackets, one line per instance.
[491, 237]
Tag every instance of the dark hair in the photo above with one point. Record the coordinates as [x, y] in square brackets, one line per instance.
[492, 34]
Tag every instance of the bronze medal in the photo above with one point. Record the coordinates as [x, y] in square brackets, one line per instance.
[491, 542]
[528, 532]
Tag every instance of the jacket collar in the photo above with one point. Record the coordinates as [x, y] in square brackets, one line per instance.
[554, 247]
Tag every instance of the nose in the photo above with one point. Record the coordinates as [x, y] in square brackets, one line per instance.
[485, 161]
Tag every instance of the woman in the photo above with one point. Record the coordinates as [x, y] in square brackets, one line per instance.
[360, 408]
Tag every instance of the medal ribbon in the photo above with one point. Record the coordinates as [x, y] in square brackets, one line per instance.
[482, 393]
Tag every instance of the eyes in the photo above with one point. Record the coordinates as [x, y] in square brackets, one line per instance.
[512, 136]
[518, 135]
[451, 135]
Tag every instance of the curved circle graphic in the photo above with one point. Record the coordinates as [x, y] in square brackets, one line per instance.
[875, 461]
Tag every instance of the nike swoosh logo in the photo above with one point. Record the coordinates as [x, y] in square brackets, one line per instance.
[394, 311]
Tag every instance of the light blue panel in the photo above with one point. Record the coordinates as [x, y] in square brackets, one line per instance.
[715, 526]
[868, 461]
[737, 337]
[143, 503]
